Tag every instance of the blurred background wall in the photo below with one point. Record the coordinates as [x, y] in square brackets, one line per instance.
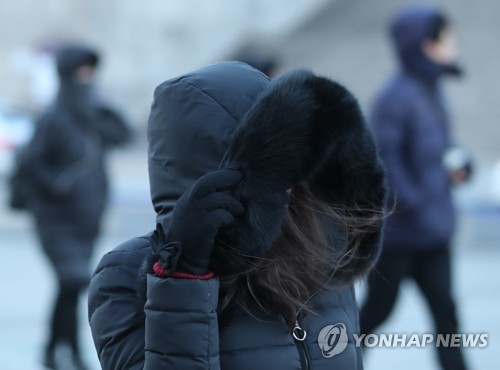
[145, 42]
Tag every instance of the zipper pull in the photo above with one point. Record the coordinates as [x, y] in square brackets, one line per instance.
[299, 333]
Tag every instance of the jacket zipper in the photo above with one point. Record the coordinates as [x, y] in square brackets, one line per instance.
[299, 335]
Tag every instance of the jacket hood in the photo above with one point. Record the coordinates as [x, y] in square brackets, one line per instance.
[192, 120]
[298, 127]
[78, 97]
[409, 28]
[71, 57]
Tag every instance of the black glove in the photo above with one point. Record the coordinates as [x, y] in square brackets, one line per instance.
[197, 217]
[256, 231]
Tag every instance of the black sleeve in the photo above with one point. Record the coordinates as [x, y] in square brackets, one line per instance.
[116, 315]
[181, 324]
[176, 329]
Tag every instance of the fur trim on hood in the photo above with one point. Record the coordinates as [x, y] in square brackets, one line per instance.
[304, 128]
[298, 127]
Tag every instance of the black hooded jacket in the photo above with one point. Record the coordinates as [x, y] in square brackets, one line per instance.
[65, 158]
[194, 120]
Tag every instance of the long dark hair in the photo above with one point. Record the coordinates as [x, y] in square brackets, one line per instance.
[318, 241]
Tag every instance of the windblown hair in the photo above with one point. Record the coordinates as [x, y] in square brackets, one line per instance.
[317, 245]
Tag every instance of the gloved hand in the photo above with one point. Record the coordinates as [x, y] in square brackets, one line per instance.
[197, 217]
[255, 233]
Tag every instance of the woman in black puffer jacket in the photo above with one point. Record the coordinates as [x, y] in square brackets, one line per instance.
[269, 198]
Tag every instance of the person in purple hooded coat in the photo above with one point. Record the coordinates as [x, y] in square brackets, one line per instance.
[410, 124]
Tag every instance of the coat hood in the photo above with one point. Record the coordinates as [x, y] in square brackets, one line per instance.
[78, 97]
[71, 57]
[192, 120]
[409, 28]
[298, 127]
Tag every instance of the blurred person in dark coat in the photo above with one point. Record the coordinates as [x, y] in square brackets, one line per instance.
[69, 187]
[411, 125]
